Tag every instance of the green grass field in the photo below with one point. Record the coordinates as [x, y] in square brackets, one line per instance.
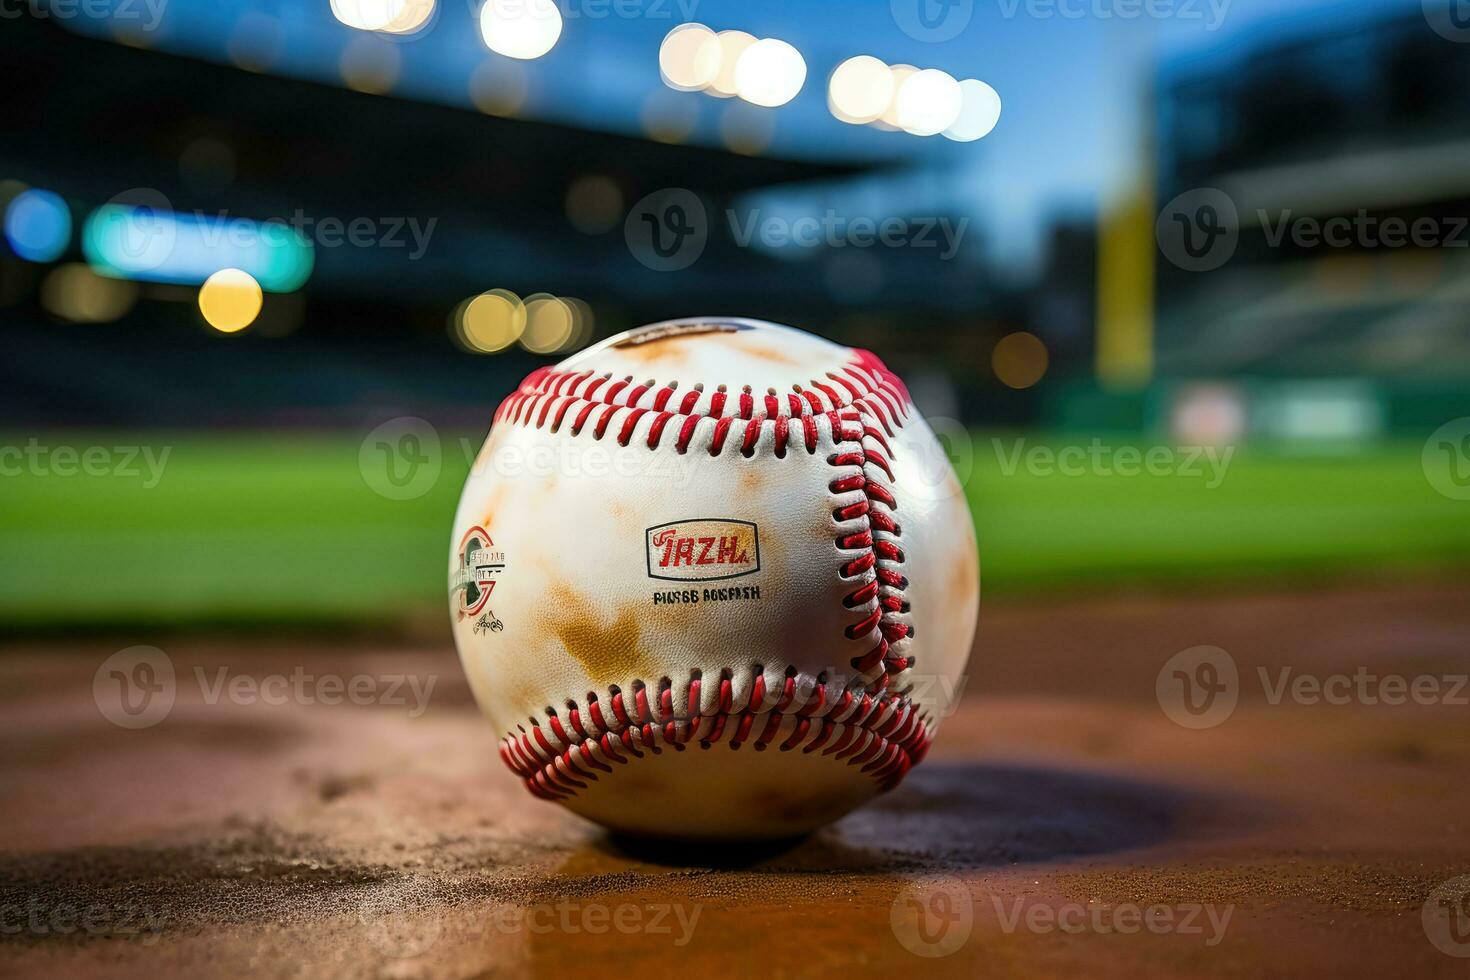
[272, 529]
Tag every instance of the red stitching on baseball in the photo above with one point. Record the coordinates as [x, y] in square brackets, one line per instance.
[882, 597]
[884, 737]
[864, 385]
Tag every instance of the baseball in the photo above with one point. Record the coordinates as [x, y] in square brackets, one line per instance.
[713, 578]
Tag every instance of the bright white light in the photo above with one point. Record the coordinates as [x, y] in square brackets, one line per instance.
[413, 16]
[732, 45]
[769, 73]
[860, 90]
[978, 114]
[928, 102]
[522, 29]
[901, 74]
[689, 58]
[368, 15]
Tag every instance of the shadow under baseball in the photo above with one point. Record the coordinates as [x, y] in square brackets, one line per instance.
[963, 815]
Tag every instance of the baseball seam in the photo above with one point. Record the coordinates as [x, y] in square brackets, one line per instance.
[884, 736]
[571, 399]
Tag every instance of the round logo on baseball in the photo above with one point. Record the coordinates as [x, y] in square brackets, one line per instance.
[1198, 687]
[135, 688]
[933, 917]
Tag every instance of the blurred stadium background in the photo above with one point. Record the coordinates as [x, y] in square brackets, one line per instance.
[493, 192]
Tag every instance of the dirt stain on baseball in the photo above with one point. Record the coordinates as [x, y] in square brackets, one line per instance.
[674, 350]
[610, 652]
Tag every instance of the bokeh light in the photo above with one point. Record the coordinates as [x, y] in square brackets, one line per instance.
[769, 73]
[38, 225]
[368, 15]
[733, 44]
[689, 58]
[256, 42]
[668, 118]
[550, 324]
[901, 74]
[1019, 360]
[594, 204]
[523, 29]
[489, 322]
[499, 88]
[74, 292]
[144, 242]
[413, 15]
[979, 112]
[860, 90]
[230, 300]
[747, 131]
[928, 102]
[369, 64]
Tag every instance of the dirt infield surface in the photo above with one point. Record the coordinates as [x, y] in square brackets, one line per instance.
[1062, 824]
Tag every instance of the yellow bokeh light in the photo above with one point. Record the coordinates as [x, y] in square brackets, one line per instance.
[411, 18]
[889, 118]
[489, 322]
[732, 45]
[368, 15]
[230, 300]
[928, 102]
[74, 292]
[1020, 360]
[689, 58]
[594, 204]
[769, 73]
[584, 323]
[668, 118]
[860, 90]
[499, 88]
[747, 131]
[369, 64]
[523, 29]
[550, 324]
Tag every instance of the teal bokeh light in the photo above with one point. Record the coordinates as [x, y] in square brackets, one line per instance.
[154, 245]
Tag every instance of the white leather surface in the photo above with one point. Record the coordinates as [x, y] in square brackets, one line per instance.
[573, 615]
